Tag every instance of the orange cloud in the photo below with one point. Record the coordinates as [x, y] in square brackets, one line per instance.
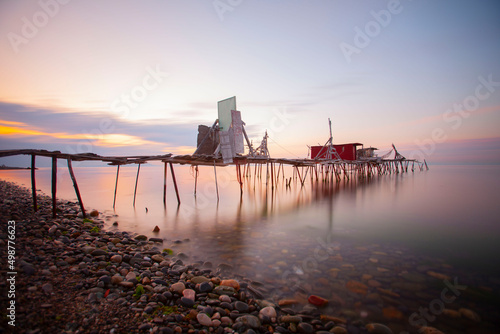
[108, 140]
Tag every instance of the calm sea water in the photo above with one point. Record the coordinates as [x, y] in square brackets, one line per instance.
[452, 211]
[448, 214]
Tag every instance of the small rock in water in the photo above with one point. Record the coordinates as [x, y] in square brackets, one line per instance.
[469, 314]
[430, 330]
[241, 306]
[305, 328]
[249, 320]
[232, 283]
[141, 237]
[156, 229]
[268, 312]
[156, 240]
[94, 213]
[317, 300]
[376, 328]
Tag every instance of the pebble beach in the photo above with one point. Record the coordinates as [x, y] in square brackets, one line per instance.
[74, 276]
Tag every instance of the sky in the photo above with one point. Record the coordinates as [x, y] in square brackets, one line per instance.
[138, 77]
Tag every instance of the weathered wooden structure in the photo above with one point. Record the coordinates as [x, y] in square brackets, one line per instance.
[324, 170]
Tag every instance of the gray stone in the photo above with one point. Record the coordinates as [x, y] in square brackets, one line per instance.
[141, 237]
[47, 288]
[205, 287]
[305, 328]
[145, 327]
[241, 306]
[187, 302]
[249, 321]
[156, 240]
[98, 252]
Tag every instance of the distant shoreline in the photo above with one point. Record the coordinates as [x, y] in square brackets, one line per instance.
[15, 168]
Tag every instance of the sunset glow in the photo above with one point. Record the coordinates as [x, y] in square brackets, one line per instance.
[139, 78]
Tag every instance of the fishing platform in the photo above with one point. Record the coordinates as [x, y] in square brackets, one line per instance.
[222, 145]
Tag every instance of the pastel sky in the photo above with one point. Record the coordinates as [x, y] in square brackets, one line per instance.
[137, 77]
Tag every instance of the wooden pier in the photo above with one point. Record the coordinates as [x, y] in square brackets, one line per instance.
[324, 170]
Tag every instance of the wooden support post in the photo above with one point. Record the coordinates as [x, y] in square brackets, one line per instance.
[165, 184]
[116, 184]
[136, 181]
[216, 185]
[33, 183]
[239, 177]
[195, 179]
[272, 176]
[427, 167]
[298, 173]
[75, 185]
[54, 185]
[175, 183]
[267, 173]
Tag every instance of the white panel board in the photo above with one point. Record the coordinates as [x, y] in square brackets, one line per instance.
[237, 126]
[226, 146]
[224, 108]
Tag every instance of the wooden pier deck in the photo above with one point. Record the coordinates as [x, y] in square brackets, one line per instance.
[318, 169]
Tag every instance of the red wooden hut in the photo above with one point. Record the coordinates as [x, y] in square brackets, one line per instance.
[345, 151]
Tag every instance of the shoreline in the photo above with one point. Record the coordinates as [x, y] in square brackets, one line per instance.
[73, 277]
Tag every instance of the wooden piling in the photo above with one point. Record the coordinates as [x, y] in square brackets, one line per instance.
[54, 186]
[116, 184]
[75, 185]
[33, 182]
[175, 184]
[136, 181]
[195, 179]
[216, 185]
[165, 184]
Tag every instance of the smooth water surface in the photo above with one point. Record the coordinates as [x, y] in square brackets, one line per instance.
[388, 227]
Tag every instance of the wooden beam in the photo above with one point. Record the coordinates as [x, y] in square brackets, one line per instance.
[75, 185]
[54, 185]
[175, 183]
[116, 184]
[164, 183]
[136, 181]
[33, 182]
[216, 185]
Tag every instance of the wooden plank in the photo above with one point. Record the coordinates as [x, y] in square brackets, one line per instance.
[75, 185]
[54, 186]
[33, 182]
[175, 184]
[136, 181]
